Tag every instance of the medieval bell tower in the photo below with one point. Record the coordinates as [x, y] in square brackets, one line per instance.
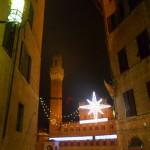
[56, 76]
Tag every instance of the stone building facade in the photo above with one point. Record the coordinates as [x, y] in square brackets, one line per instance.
[20, 58]
[127, 24]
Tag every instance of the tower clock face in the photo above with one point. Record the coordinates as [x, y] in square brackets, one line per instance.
[49, 147]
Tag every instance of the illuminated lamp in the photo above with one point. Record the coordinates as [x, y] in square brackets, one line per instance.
[16, 11]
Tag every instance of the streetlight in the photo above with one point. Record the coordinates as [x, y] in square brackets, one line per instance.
[14, 18]
[16, 12]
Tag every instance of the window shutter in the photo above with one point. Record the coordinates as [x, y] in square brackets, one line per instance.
[9, 36]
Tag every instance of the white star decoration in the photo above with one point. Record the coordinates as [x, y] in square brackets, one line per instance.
[94, 106]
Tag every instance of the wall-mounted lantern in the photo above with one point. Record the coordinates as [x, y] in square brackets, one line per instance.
[16, 11]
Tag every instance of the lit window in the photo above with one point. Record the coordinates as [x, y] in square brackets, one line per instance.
[17, 7]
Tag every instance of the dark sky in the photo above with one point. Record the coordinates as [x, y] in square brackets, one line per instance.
[75, 29]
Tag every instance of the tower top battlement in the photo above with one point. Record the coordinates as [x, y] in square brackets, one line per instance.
[57, 71]
[57, 61]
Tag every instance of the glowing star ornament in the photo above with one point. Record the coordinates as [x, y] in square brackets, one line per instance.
[95, 106]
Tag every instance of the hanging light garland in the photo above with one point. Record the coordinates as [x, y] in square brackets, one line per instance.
[47, 111]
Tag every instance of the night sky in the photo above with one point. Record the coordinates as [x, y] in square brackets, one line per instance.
[75, 29]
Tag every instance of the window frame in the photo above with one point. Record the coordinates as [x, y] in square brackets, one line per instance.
[133, 6]
[31, 14]
[24, 53]
[143, 41]
[129, 102]
[123, 60]
[20, 117]
[148, 88]
[9, 37]
[112, 22]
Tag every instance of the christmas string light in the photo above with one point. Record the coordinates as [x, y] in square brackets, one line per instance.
[46, 111]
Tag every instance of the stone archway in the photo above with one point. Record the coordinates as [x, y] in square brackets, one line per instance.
[135, 144]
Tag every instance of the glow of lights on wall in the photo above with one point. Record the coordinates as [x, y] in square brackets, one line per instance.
[78, 138]
[103, 137]
[16, 11]
[94, 106]
[93, 120]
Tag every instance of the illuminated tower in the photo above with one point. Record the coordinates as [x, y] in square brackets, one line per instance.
[56, 76]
